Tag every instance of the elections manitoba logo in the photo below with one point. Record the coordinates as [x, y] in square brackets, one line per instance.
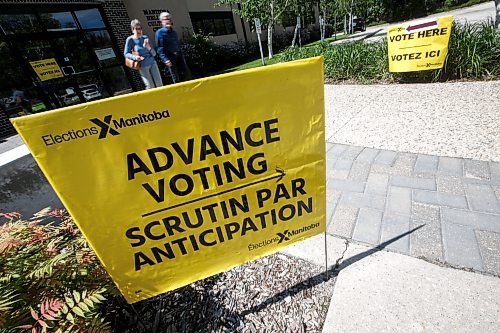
[105, 127]
[283, 236]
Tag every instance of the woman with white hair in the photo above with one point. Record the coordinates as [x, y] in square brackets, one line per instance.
[137, 48]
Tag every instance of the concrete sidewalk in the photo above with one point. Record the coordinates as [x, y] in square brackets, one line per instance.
[413, 206]
[457, 119]
[381, 291]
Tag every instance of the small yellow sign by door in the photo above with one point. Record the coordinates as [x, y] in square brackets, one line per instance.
[46, 69]
[418, 46]
[175, 184]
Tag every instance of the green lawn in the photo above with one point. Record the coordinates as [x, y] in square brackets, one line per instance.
[275, 59]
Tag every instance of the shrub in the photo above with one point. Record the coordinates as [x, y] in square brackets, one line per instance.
[357, 61]
[474, 52]
[199, 52]
[204, 56]
[50, 280]
[284, 39]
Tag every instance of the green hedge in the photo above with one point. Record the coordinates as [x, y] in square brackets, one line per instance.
[474, 51]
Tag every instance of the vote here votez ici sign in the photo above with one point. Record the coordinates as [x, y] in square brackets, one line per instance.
[418, 46]
[175, 184]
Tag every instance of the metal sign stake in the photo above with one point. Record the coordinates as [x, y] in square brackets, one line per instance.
[326, 260]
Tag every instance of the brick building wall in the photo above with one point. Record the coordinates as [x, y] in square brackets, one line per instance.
[6, 128]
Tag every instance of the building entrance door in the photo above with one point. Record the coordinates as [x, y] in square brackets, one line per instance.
[56, 56]
[63, 69]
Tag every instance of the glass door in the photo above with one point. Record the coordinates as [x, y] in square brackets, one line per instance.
[56, 56]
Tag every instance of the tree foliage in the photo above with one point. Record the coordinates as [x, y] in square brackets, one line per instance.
[269, 12]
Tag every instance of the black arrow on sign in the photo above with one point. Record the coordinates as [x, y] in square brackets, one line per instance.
[279, 176]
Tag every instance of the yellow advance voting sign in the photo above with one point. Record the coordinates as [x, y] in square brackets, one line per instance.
[418, 46]
[178, 183]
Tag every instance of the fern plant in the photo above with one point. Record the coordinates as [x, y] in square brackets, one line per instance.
[50, 279]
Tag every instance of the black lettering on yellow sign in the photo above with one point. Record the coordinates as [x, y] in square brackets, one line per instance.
[161, 159]
[49, 72]
[179, 231]
[415, 55]
[398, 38]
[432, 54]
[420, 34]
[406, 56]
[432, 33]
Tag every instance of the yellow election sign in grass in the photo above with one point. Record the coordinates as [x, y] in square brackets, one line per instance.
[178, 183]
[418, 46]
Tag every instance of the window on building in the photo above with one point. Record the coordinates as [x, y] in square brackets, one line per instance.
[13, 79]
[213, 23]
[75, 54]
[34, 50]
[58, 21]
[90, 18]
[101, 43]
[19, 23]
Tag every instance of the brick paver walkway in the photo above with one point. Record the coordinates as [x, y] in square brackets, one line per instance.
[374, 195]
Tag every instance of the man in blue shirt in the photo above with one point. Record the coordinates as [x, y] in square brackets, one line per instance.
[169, 49]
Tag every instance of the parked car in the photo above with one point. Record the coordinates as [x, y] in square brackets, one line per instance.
[358, 24]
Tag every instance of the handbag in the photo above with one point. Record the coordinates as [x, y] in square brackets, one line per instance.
[133, 64]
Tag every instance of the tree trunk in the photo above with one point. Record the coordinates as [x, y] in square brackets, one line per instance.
[335, 26]
[295, 34]
[270, 31]
[351, 20]
[349, 24]
[321, 37]
[324, 24]
[300, 24]
[497, 23]
[270, 40]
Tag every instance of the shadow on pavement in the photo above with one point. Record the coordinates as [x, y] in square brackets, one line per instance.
[319, 278]
[371, 34]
